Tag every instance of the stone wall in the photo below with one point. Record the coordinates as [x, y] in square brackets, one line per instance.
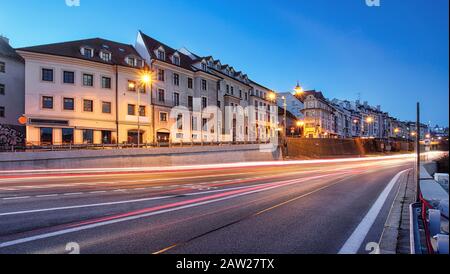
[322, 148]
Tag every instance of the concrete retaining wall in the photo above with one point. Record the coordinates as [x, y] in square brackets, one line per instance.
[136, 157]
[319, 148]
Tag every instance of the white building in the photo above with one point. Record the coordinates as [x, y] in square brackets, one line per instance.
[85, 92]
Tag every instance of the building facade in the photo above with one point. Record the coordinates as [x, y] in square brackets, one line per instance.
[85, 92]
[12, 95]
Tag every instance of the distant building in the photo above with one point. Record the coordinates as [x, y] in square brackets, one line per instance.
[294, 105]
[12, 84]
[12, 95]
[318, 115]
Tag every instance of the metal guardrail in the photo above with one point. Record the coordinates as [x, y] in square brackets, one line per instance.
[426, 235]
[65, 147]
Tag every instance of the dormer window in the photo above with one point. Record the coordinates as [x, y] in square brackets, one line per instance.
[161, 55]
[131, 61]
[176, 60]
[106, 56]
[204, 67]
[87, 52]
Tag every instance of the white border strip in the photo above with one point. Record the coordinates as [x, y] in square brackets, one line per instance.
[353, 243]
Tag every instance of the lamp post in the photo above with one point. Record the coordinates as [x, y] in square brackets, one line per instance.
[300, 125]
[369, 121]
[145, 80]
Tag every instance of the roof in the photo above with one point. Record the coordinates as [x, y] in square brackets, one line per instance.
[152, 44]
[317, 94]
[288, 113]
[71, 49]
[7, 51]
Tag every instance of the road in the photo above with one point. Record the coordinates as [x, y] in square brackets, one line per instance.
[304, 207]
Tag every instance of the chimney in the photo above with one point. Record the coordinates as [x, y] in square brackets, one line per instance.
[378, 107]
[4, 39]
[365, 104]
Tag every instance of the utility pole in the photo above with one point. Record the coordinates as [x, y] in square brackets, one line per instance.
[418, 152]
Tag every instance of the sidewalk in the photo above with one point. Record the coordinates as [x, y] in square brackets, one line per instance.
[395, 237]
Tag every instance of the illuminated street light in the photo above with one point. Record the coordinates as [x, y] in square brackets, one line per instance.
[298, 89]
[397, 130]
[272, 96]
[428, 136]
[369, 120]
[413, 133]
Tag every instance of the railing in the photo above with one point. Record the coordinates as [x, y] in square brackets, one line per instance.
[426, 216]
[65, 147]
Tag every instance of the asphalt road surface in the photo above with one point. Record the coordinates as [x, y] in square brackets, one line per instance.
[292, 208]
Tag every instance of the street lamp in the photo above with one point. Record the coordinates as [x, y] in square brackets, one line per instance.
[300, 125]
[369, 121]
[145, 79]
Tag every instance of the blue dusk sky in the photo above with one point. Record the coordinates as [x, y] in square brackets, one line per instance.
[392, 55]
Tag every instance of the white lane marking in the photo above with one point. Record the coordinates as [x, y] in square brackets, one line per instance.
[96, 192]
[16, 198]
[84, 227]
[47, 195]
[71, 194]
[353, 243]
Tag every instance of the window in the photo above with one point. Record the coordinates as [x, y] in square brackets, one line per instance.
[161, 55]
[88, 105]
[106, 137]
[106, 56]
[176, 99]
[161, 75]
[47, 102]
[204, 67]
[194, 123]
[131, 85]
[106, 82]
[163, 116]
[205, 124]
[240, 94]
[2, 112]
[68, 104]
[67, 135]
[88, 52]
[204, 102]
[47, 75]
[176, 60]
[88, 136]
[69, 77]
[204, 85]
[106, 107]
[180, 121]
[46, 135]
[176, 79]
[131, 61]
[2, 67]
[2, 89]
[190, 102]
[232, 90]
[190, 83]
[228, 88]
[142, 111]
[88, 80]
[161, 95]
[246, 96]
[131, 109]
[219, 104]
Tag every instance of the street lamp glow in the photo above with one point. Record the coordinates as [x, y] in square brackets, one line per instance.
[272, 96]
[397, 130]
[369, 119]
[300, 123]
[298, 89]
[413, 133]
[146, 78]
